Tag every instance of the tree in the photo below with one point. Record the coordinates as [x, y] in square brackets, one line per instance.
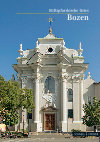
[2, 78]
[28, 103]
[10, 94]
[27, 100]
[12, 98]
[92, 114]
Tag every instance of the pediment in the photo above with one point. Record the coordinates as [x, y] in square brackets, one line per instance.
[50, 36]
[34, 59]
[49, 109]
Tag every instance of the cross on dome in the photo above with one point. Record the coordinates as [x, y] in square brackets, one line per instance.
[50, 29]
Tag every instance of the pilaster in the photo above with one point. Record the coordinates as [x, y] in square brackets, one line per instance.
[36, 119]
[75, 100]
[81, 94]
[24, 81]
[37, 126]
[64, 100]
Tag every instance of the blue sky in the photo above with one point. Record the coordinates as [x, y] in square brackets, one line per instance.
[25, 29]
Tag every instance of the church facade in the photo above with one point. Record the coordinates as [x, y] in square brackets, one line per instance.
[56, 75]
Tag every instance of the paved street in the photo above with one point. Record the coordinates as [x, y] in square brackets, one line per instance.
[51, 138]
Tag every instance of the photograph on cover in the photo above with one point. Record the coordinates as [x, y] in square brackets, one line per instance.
[50, 67]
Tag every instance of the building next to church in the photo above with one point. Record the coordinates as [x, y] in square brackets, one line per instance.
[56, 75]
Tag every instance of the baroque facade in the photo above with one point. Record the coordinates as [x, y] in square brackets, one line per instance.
[56, 75]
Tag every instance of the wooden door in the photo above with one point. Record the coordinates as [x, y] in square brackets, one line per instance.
[49, 123]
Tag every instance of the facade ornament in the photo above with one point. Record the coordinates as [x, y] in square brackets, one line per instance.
[63, 43]
[62, 47]
[82, 76]
[50, 98]
[37, 43]
[75, 77]
[24, 79]
[54, 105]
[39, 59]
[18, 77]
[72, 77]
[80, 50]
[20, 51]
[20, 46]
[64, 76]
[46, 106]
[37, 46]
[29, 76]
[37, 76]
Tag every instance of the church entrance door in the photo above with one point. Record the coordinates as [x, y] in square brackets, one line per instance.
[49, 123]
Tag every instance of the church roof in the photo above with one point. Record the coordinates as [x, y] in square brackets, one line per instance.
[50, 37]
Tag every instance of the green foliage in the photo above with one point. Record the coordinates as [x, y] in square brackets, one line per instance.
[74, 130]
[20, 134]
[12, 98]
[92, 113]
[2, 78]
[10, 93]
[28, 100]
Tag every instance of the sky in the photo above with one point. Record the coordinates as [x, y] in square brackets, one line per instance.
[25, 29]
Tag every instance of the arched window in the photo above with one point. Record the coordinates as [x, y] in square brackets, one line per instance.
[50, 85]
[70, 95]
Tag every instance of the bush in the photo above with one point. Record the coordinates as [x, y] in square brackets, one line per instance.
[74, 130]
[19, 135]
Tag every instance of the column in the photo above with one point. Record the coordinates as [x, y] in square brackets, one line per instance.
[76, 102]
[24, 82]
[81, 93]
[23, 111]
[64, 111]
[36, 119]
[37, 126]
[64, 104]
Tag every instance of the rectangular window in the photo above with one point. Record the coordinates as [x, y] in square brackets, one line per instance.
[70, 95]
[29, 116]
[70, 113]
[70, 98]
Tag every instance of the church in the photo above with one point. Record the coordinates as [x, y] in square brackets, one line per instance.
[56, 75]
